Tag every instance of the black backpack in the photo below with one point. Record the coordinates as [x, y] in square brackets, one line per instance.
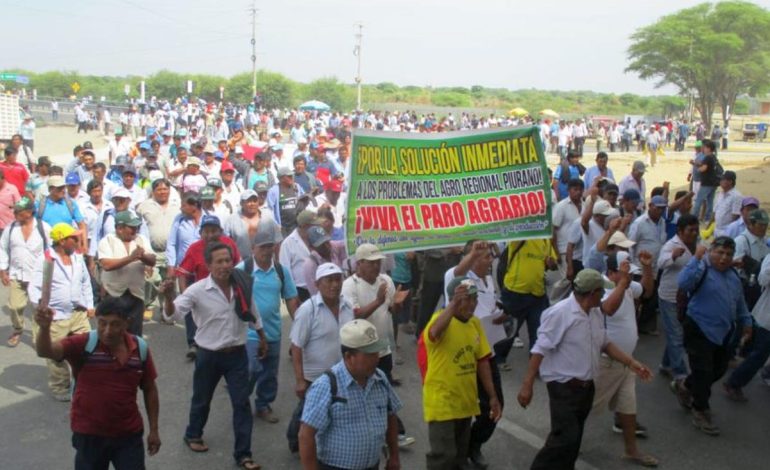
[40, 230]
[248, 268]
[505, 261]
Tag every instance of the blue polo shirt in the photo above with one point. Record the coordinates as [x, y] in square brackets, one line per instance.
[58, 212]
[266, 293]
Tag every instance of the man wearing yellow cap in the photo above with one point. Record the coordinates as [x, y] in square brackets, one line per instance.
[71, 299]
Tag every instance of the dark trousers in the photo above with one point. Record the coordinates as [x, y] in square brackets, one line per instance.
[210, 366]
[523, 307]
[97, 452]
[292, 432]
[754, 361]
[708, 363]
[483, 427]
[430, 294]
[648, 315]
[190, 328]
[302, 294]
[323, 466]
[448, 444]
[137, 319]
[570, 406]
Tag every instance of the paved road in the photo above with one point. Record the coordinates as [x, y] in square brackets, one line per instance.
[36, 428]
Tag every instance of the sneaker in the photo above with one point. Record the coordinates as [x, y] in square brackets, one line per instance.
[518, 343]
[666, 372]
[682, 394]
[641, 431]
[192, 352]
[14, 339]
[702, 421]
[477, 458]
[504, 366]
[734, 394]
[62, 397]
[405, 441]
[267, 416]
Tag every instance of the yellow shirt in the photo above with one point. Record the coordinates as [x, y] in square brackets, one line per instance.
[526, 271]
[449, 367]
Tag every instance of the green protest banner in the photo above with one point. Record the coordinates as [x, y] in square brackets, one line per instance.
[419, 191]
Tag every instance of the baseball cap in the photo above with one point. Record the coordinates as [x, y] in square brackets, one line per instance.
[130, 169]
[464, 280]
[631, 195]
[620, 239]
[327, 269]
[260, 187]
[193, 161]
[759, 216]
[285, 171]
[43, 161]
[729, 175]
[369, 252]
[307, 218]
[144, 146]
[88, 145]
[611, 188]
[121, 192]
[226, 166]
[248, 194]
[61, 231]
[72, 178]
[219, 155]
[276, 147]
[659, 201]
[317, 236]
[614, 261]
[589, 280]
[209, 149]
[88, 152]
[121, 160]
[264, 236]
[24, 204]
[362, 336]
[56, 181]
[602, 207]
[334, 185]
[210, 220]
[639, 166]
[167, 133]
[215, 182]
[698, 143]
[207, 193]
[127, 218]
[749, 201]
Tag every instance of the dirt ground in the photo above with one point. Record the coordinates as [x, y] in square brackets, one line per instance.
[746, 159]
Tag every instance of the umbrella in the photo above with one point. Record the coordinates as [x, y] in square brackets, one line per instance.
[314, 105]
[549, 113]
[518, 112]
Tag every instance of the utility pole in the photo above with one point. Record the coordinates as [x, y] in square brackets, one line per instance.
[357, 53]
[253, 11]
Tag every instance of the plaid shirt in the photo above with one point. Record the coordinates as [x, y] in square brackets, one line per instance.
[350, 434]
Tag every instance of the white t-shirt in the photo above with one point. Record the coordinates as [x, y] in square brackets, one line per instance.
[595, 232]
[564, 213]
[360, 293]
[621, 326]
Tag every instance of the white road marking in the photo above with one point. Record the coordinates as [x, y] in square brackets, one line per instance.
[533, 440]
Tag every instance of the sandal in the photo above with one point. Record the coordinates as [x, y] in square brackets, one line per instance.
[196, 444]
[642, 459]
[247, 463]
[14, 339]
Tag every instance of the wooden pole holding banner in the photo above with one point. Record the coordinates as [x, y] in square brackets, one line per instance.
[45, 295]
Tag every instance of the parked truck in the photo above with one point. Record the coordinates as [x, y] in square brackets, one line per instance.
[10, 117]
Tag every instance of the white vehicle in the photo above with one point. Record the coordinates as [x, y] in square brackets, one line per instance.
[10, 117]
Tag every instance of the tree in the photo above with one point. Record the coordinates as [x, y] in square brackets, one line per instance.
[330, 91]
[716, 52]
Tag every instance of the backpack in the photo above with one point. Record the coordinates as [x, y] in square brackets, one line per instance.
[93, 340]
[505, 261]
[248, 268]
[333, 386]
[107, 213]
[683, 297]
[44, 202]
[39, 230]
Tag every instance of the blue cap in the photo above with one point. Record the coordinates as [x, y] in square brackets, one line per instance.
[237, 126]
[659, 201]
[129, 169]
[151, 131]
[219, 155]
[210, 220]
[72, 178]
[145, 146]
[313, 144]
[631, 195]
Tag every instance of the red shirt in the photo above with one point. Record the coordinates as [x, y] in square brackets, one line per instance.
[104, 403]
[16, 174]
[9, 195]
[193, 263]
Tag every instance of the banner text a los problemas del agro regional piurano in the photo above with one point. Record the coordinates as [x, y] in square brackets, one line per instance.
[419, 191]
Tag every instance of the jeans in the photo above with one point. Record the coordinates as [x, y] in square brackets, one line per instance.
[673, 354]
[263, 373]
[708, 363]
[97, 452]
[210, 366]
[524, 307]
[760, 351]
[570, 406]
[190, 328]
[483, 426]
[705, 194]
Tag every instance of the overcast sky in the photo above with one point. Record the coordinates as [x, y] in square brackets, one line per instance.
[544, 44]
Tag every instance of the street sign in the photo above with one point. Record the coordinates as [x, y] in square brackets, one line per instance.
[8, 77]
[75, 87]
[189, 86]
[22, 79]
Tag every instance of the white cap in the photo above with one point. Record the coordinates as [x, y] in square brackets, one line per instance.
[625, 256]
[362, 336]
[368, 252]
[327, 269]
[121, 192]
[602, 207]
[619, 239]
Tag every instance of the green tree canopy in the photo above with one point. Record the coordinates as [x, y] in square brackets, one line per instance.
[716, 51]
